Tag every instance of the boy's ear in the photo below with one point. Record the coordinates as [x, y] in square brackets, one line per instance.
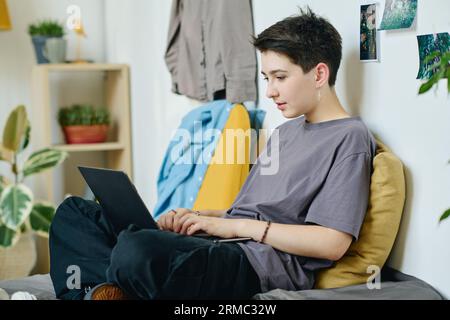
[322, 74]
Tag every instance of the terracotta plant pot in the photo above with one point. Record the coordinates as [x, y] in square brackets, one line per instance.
[86, 134]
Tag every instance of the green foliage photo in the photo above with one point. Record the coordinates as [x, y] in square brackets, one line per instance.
[398, 14]
[18, 210]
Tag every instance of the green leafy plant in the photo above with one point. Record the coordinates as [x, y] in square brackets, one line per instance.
[18, 211]
[46, 28]
[445, 215]
[441, 70]
[87, 115]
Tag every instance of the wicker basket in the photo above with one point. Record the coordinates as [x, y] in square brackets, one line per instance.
[19, 260]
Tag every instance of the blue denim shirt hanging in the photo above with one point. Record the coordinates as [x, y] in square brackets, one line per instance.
[188, 155]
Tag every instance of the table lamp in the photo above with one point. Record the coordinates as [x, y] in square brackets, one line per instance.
[79, 30]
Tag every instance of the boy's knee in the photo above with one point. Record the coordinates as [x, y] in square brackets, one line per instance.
[73, 202]
[72, 208]
[134, 249]
[128, 249]
[70, 204]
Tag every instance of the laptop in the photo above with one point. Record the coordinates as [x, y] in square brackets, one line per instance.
[122, 204]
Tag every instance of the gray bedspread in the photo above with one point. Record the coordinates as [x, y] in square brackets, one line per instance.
[394, 286]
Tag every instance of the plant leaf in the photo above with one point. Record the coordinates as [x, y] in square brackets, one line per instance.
[15, 128]
[435, 67]
[41, 217]
[448, 79]
[433, 80]
[26, 138]
[445, 215]
[431, 56]
[2, 184]
[16, 203]
[8, 237]
[47, 28]
[426, 86]
[445, 57]
[5, 155]
[42, 160]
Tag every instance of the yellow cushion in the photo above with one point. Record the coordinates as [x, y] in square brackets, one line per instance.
[229, 166]
[380, 227]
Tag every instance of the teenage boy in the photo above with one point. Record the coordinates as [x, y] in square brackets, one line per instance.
[301, 219]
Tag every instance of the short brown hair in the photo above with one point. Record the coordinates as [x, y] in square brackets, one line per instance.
[306, 39]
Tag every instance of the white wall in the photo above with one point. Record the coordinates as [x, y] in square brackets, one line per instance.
[16, 50]
[136, 34]
[17, 54]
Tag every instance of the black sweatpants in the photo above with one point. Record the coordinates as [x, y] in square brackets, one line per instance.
[145, 263]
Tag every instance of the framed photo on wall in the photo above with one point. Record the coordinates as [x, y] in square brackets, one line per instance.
[369, 44]
[429, 43]
[398, 14]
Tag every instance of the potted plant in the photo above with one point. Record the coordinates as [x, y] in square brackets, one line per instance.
[84, 124]
[47, 38]
[20, 215]
[440, 70]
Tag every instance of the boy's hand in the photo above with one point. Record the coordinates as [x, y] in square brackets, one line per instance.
[224, 228]
[170, 221]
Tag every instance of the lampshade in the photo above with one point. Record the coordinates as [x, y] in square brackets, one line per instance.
[5, 22]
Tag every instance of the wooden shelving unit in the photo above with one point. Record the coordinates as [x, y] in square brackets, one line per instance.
[90, 147]
[116, 153]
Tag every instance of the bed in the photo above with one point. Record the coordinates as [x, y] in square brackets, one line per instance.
[394, 285]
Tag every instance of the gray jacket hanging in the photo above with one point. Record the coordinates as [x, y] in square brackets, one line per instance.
[209, 49]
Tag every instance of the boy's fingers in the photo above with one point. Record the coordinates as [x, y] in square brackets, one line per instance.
[162, 222]
[186, 225]
[179, 223]
[184, 220]
[179, 219]
[166, 220]
[193, 229]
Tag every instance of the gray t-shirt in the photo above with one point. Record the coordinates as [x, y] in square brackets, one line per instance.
[323, 178]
